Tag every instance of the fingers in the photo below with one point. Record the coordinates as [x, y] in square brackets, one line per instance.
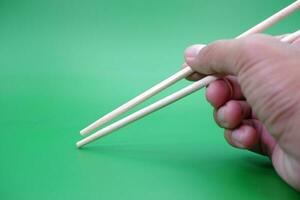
[253, 136]
[218, 92]
[231, 114]
[222, 90]
[241, 130]
[244, 137]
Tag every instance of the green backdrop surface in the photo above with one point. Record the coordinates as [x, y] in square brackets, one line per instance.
[65, 63]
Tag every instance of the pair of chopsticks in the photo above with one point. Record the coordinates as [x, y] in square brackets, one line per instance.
[170, 81]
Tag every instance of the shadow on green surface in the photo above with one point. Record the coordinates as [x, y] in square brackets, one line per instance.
[232, 171]
[176, 154]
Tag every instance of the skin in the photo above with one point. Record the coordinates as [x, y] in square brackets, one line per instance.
[257, 98]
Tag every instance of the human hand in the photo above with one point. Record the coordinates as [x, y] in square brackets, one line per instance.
[257, 99]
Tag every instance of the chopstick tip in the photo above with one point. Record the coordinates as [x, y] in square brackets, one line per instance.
[83, 132]
[78, 145]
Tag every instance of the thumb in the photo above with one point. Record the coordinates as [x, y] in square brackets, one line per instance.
[229, 57]
[213, 58]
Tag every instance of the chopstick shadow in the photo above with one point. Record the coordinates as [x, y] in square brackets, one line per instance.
[216, 168]
[180, 155]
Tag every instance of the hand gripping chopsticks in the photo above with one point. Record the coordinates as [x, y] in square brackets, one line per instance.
[168, 82]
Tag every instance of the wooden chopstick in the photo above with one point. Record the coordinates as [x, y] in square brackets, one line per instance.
[139, 99]
[185, 72]
[149, 109]
[273, 19]
[161, 103]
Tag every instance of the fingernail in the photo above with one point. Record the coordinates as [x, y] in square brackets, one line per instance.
[237, 136]
[193, 50]
[221, 117]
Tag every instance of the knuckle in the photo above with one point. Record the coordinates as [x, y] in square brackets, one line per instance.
[254, 43]
[212, 48]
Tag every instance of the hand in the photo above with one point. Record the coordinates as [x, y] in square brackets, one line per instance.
[257, 100]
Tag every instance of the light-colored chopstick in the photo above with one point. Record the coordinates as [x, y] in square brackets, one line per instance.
[149, 109]
[186, 71]
[162, 103]
[273, 19]
[139, 99]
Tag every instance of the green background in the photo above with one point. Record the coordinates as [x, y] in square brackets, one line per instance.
[63, 64]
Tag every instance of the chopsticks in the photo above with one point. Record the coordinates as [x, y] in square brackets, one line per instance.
[168, 82]
[139, 99]
[149, 109]
[185, 72]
